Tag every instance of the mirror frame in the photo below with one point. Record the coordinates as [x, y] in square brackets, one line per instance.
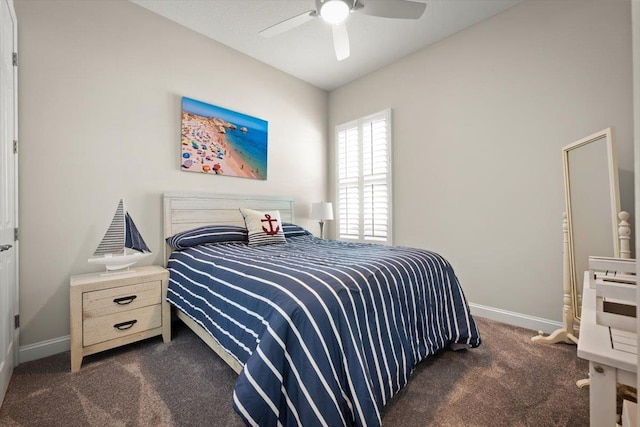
[614, 197]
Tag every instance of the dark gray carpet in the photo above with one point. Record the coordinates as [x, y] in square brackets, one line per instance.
[507, 381]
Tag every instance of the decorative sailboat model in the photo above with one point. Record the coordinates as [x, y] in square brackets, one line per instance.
[122, 245]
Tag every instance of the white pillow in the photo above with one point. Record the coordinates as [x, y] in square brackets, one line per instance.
[264, 228]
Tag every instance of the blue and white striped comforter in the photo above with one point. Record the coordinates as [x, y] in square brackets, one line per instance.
[327, 331]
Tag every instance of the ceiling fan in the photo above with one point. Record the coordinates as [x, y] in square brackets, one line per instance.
[336, 12]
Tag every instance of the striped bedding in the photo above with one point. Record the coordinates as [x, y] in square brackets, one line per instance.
[327, 331]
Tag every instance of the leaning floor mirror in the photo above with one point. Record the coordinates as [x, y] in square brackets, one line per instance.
[591, 221]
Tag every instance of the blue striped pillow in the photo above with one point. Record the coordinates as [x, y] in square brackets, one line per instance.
[207, 234]
[293, 230]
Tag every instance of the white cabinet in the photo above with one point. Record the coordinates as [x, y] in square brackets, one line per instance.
[612, 356]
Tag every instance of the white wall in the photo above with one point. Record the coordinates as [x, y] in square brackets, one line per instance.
[100, 84]
[479, 122]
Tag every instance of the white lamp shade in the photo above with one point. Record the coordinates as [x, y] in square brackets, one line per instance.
[322, 210]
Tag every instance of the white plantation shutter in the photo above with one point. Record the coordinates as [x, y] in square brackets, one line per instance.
[363, 158]
[349, 212]
[375, 212]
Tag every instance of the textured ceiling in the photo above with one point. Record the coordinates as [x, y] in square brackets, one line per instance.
[307, 51]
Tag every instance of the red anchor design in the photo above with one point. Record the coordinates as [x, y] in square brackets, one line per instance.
[270, 231]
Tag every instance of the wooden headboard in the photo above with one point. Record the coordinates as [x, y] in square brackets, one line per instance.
[184, 211]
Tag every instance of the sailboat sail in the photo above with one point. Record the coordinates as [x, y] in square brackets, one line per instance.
[113, 240]
[133, 237]
[122, 235]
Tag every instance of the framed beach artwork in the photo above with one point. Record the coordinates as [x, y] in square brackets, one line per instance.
[222, 142]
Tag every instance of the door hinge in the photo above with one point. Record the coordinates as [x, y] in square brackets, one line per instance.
[15, 146]
[16, 321]
[15, 234]
[15, 59]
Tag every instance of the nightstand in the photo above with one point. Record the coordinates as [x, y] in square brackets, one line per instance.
[112, 309]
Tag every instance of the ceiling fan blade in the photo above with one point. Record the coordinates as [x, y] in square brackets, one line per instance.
[288, 24]
[400, 9]
[341, 41]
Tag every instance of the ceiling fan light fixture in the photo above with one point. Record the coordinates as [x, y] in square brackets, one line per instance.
[334, 11]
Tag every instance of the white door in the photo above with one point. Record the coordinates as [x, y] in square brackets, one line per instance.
[8, 196]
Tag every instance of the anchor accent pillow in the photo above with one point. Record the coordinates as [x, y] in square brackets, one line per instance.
[264, 228]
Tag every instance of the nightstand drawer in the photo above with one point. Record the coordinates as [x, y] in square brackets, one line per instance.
[105, 328]
[120, 299]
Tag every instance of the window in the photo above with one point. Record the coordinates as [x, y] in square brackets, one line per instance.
[363, 184]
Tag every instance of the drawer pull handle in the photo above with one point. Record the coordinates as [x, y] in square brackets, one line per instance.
[125, 300]
[125, 325]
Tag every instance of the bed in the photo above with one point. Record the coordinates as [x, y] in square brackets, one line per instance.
[320, 332]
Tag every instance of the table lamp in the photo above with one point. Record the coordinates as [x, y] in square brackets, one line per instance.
[322, 211]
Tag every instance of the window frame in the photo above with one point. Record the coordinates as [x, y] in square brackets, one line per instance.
[358, 124]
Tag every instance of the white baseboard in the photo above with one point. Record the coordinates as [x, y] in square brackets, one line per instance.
[515, 319]
[53, 346]
[41, 349]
